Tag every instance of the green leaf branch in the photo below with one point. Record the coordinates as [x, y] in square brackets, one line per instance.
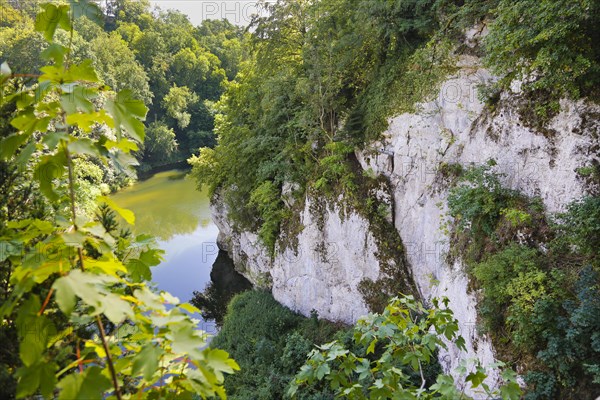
[101, 330]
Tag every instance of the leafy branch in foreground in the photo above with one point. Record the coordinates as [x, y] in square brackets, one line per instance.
[90, 325]
[395, 348]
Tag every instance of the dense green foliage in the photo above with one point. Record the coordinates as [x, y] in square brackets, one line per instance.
[478, 205]
[270, 343]
[290, 102]
[549, 44]
[396, 351]
[323, 77]
[18, 200]
[76, 296]
[388, 355]
[177, 69]
[539, 281]
[160, 142]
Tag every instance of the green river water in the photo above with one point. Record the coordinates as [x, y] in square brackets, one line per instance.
[169, 206]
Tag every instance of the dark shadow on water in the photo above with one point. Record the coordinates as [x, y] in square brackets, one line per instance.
[225, 282]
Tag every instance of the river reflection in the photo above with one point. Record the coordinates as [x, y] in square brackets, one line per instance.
[167, 204]
[225, 282]
[169, 207]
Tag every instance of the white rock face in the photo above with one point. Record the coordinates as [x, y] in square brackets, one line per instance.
[455, 128]
[333, 256]
[329, 264]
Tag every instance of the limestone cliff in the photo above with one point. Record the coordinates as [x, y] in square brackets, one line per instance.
[323, 273]
[335, 254]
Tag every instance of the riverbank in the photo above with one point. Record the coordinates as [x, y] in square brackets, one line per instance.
[144, 174]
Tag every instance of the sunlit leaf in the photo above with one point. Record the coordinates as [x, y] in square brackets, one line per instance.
[50, 168]
[190, 308]
[89, 385]
[128, 114]
[83, 72]
[86, 8]
[86, 121]
[124, 145]
[220, 362]
[51, 18]
[10, 144]
[146, 361]
[127, 215]
[371, 347]
[185, 340]
[83, 285]
[28, 123]
[109, 267]
[55, 52]
[65, 296]
[79, 99]
[115, 308]
[73, 238]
